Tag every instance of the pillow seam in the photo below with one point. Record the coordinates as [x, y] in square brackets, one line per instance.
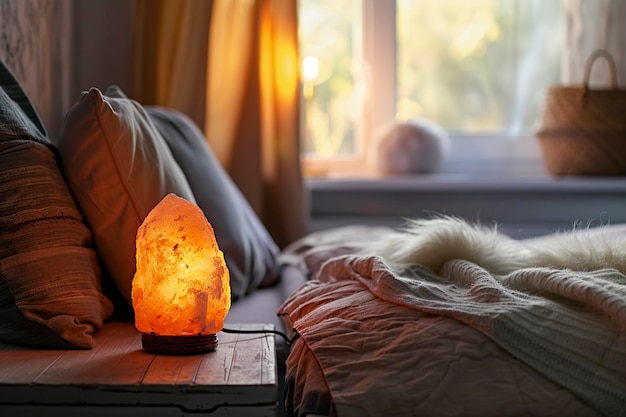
[114, 155]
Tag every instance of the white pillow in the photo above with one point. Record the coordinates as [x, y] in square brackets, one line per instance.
[118, 168]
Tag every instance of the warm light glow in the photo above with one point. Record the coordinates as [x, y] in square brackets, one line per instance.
[181, 286]
[278, 60]
[310, 68]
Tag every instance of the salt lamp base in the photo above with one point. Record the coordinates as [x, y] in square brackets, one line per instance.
[178, 345]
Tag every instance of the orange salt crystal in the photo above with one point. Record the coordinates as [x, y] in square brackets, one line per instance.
[181, 285]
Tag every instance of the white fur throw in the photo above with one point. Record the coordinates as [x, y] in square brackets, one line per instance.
[432, 242]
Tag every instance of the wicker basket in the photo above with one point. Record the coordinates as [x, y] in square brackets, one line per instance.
[583, 130]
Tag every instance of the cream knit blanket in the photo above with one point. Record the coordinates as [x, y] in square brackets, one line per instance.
[568, 325]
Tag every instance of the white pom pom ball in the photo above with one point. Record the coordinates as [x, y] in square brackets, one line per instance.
[416, 146]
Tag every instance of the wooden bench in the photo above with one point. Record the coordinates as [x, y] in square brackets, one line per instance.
[119, 378]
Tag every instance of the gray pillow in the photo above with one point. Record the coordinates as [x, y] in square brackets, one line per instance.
[249, 250]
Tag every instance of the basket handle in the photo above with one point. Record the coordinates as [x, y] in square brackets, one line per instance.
[592, 58]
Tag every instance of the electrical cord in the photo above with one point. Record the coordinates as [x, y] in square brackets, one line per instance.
[276, 332]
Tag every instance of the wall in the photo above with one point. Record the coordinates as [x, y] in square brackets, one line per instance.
[35, 44]
[58, 48]
[103, 44]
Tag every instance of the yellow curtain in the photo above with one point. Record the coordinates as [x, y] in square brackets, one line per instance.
[231, 52]
[170, 54]
[253, 108]
[243, 54]
[280, 139]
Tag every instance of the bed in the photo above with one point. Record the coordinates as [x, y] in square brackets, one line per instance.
[447, 318]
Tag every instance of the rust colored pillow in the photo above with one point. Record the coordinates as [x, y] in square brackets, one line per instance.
[50, 281]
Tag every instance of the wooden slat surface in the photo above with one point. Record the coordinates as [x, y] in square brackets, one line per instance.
[118, 372]
[125, 411]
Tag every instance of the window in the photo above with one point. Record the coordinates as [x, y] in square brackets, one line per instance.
[478, 68]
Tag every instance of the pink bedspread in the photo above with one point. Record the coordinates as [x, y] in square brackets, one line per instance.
[380, 359]
[375, 357]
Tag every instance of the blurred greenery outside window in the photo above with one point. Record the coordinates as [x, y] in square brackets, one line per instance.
[478, 68]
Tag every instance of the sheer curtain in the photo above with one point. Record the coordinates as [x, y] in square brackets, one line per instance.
[232, 65]
[594, 25]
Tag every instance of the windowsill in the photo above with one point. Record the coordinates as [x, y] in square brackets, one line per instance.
[445, 182]
[521, 205]
[475, 155]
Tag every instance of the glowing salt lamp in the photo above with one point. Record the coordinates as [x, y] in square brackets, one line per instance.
[181, 288]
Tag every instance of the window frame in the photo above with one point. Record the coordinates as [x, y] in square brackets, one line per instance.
[469, 154]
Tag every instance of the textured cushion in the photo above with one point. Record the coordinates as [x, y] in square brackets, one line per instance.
[118, 167]
[27, 118]
[50, 288]
[250, 251]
